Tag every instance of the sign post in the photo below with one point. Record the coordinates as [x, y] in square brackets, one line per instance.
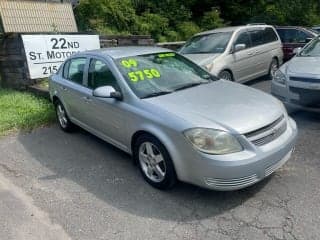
[45, 53]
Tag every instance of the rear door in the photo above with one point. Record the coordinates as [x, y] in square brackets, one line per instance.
[73, 89]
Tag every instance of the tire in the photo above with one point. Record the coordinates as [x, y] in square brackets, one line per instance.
[62, 117]
[226, 75]
[274, 66]
[154, 162]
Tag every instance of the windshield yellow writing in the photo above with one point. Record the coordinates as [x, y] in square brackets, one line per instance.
[144, 74]
[129, 63]
[164, 55]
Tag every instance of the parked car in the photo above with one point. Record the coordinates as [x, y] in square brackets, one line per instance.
[294, 37]
[236, 53]
[177, 120]
[297, 82]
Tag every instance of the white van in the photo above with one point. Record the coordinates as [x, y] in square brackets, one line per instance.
[238, 53]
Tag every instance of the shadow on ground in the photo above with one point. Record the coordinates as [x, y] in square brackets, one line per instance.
[111, 176]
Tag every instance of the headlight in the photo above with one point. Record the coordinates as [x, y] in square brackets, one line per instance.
[279, 77]
[209, 67]
[213, 141]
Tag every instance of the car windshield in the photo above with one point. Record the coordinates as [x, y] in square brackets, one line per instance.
[211, 43]
[161, 73]
[312, 49]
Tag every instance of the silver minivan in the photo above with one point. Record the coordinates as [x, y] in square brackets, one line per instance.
[238, 53]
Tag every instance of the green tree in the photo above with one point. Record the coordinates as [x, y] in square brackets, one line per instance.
[211, 20]
[106, 16]
[173, 20]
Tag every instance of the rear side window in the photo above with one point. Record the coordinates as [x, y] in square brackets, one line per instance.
[293, 35]
[302, 37]
[270, 35]
[257, 37]
[288, 35]
[65, 70]
[74, 70]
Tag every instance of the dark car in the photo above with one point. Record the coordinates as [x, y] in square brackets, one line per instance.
[293, 37]
[316, 29]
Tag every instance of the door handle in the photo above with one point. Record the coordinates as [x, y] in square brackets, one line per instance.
[64, 88]
[250, 53]
[256, 51]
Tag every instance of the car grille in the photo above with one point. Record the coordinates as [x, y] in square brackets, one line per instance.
[302, 79]
[235, 183]
[268, 133]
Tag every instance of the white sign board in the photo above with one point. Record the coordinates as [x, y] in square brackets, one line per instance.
[45, 53]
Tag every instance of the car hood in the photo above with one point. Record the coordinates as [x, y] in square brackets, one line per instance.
[304, 65]
[230, 106]
[202, 59]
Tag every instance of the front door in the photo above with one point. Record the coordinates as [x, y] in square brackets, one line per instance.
[106, 116]
[242, 60]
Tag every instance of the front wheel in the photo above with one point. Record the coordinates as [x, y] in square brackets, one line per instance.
[154, 162]
[226, 75]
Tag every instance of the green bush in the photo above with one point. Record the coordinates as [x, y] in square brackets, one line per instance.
[187, 29]
[173, 20]
[154, 24]
[211, 20]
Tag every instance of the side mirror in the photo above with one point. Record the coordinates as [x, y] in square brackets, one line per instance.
[239, 47]
[297, 50]
[107, 92]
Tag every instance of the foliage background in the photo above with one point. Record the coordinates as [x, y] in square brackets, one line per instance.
[173, 20]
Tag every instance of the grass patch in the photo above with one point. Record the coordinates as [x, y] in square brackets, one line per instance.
[23, 111]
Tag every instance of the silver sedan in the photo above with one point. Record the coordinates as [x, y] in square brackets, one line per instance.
[175, 119]
[297, 82]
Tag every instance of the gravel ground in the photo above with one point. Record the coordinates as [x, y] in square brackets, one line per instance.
[76, 186]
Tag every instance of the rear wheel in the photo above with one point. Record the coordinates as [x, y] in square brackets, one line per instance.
[154, 162]
[274, 66]
[226, 75]
[62, 116]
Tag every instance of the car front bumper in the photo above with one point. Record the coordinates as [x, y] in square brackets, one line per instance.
[299, 95]
[240, 170]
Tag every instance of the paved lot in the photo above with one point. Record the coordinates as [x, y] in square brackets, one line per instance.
[83, 188]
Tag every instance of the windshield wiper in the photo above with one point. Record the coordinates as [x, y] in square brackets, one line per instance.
[155, 94]
[190, 85]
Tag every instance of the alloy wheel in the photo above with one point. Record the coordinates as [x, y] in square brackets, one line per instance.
[152, 162]
[62, 116]
[226, 76]
[273, 68]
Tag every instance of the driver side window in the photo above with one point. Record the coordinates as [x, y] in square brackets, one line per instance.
[243, 38]
[100, 75]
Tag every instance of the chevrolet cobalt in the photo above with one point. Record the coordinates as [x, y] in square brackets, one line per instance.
[177, 120]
